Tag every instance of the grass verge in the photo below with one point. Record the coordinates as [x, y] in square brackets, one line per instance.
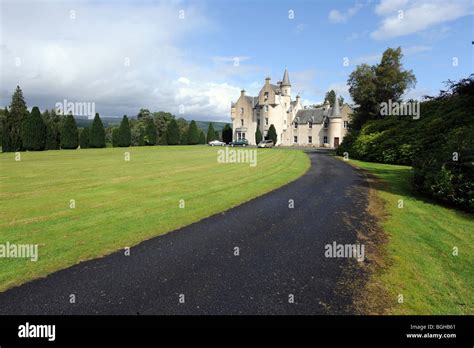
[419, 249]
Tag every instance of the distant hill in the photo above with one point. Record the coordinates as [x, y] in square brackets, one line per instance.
[107, 121]
[115, 121]
[218, 126]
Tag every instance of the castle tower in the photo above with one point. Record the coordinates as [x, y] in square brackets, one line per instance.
[285, 84]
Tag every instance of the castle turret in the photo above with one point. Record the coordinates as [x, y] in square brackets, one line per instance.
[285, 84]
[335, 110]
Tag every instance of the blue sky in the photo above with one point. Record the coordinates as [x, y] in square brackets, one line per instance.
[187, 58]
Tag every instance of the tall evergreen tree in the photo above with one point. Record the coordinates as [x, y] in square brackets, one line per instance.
[69, 133]
[211, 133]
[14, 122]
[172, 134]
[193, 134]
[258, 136]
[33, 131]
[331, 98]
[97, 133]
[150, 132]
[272, 134]
[184, 138]
[227, 134]
[216, 132]
[84, 138]
[115, 136]
[52, 130]
[202, 137]
[124, 135]
[2, 121]
[5, 132]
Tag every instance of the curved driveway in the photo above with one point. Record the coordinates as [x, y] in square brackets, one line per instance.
[281, 256]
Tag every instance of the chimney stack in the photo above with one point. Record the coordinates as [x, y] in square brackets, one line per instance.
[242, 93]
[267, 80]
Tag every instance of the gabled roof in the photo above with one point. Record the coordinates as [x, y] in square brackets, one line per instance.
[252, 100]
[275, 88]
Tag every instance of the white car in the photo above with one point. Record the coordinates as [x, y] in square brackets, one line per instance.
[216, 143]
[265, 143]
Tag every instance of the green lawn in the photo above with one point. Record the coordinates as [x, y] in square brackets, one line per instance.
[120, 203]
[422, 236]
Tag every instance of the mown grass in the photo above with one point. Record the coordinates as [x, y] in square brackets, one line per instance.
[118, 203]
[421, 240]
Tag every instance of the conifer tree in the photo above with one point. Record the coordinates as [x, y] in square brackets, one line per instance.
[193, 134]
[227, 134]
[258, 136]
[124, 135]
[202, 137]
[14, 121]
[84, 138]
[211, 133]
[97, 133]
[272, 134]
[172, 134]
[33, 131]
[69, 133]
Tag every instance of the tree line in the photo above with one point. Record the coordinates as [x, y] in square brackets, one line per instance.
[22, 130]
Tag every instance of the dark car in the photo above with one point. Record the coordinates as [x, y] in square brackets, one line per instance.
[239, 142]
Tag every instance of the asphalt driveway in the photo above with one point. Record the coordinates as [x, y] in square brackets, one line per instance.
[281, 256]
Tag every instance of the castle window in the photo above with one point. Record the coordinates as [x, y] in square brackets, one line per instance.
[310, 140]
[295, 139]
[242, 122]
[346, 124]
[241, 111]
[266, 108]
[310, 124]
[296, 125]
[265, 98]
[258, 122]
[266, 121]
[325, 141]
[326, 124]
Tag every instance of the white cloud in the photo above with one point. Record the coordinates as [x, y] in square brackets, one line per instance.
[184, 80]
[121, 56]
[222, 59]
[336, 16]
[406, 50]
[401, 17]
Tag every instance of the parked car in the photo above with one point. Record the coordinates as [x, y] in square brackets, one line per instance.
[239, 142]
[216, 143]
[265, 143]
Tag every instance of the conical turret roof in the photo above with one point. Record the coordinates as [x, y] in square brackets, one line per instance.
[335, 109]
[286, 79]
